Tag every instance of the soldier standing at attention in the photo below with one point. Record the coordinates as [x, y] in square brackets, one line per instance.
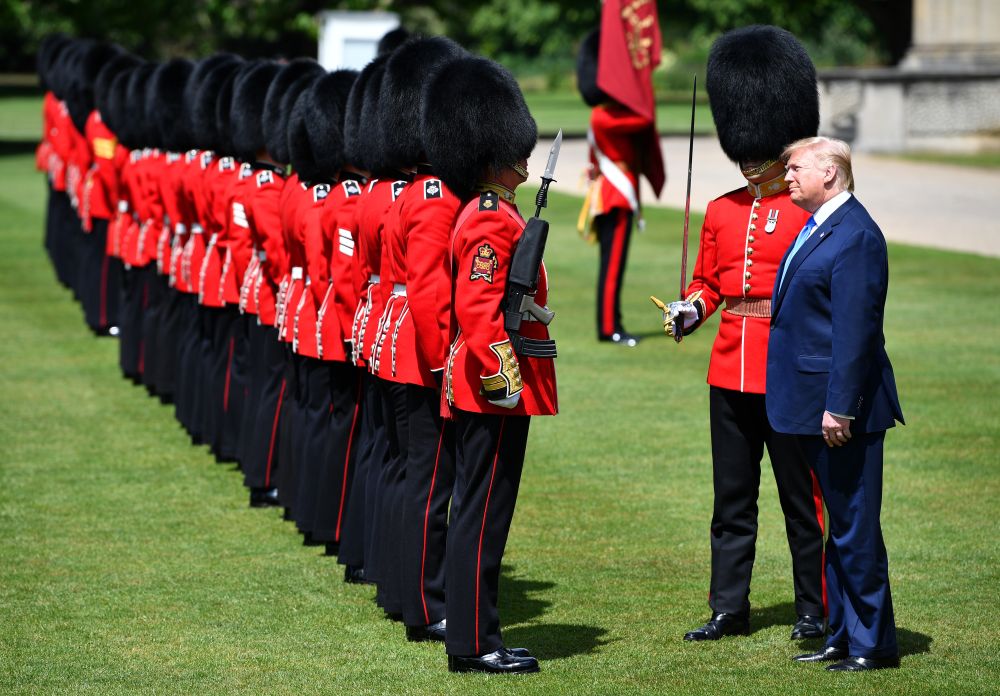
[762, 88]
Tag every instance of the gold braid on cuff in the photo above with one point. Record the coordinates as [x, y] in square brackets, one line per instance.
[507, 381]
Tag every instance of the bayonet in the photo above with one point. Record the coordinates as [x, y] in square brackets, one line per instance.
[549, 175]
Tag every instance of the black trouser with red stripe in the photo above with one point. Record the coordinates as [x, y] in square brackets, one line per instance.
[313, 409]
[337, 475]
[430, 477]
[740, 431]
[261, 448]
[101, 279]
[614, 232]
[489, 456]
[389, 499]
[233, 387]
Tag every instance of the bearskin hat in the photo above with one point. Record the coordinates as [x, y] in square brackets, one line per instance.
[105, 78]
[281, 95]
[202, 114]
[45, 59]
[474, 119]
[761, 86]
[391, 40]
[363, 143]
[300, 152]
[586, 70]
[408, 69]
[326, 106]
[165, 104]
[64, 67]
[115, 110]
[201, 138]
[80, 98]
[246, 112]
[136, 130]
[223, 110]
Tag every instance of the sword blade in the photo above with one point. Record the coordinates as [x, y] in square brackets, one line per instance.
[687, 200]
[550, 166]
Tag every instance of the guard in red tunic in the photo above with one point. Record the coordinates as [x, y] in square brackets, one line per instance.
[623, 145]
[478, 134]
[762, 89]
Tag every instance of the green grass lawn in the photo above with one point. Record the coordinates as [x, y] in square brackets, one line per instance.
[20, 118]
[130, 562]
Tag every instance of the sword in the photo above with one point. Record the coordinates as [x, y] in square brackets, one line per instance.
[679, 335]
[548, 176]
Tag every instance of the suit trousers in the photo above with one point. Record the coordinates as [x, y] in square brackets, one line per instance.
[614, 232]
[857, 566]
[740, 431]
[430, 477]
[489, 457]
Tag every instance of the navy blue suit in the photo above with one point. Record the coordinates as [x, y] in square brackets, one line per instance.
[826, 352]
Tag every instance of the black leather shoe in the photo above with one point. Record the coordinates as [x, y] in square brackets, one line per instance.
[808, 627]
[863, 664]
[264, 497]
[720, 625]
[434, 631]
[622, 338]
[497, 662]
[518, 652]
[829, 653]
[355, 575]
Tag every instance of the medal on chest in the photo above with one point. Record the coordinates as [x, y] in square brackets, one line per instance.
[772, 220]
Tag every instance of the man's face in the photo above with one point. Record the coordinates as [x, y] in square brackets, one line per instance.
[808, 180]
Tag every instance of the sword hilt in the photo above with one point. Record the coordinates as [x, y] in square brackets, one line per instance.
[542, 197]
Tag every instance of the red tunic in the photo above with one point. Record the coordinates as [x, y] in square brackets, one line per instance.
[484, 239]
[44, 153]
[196, 163]
[309, 240]
[264, 217]
[294, 198]
[419, 246]
[742, 242]
[217, 180]
[369, 220]
[101, 181]
[61, 140]
[241, 253]
[334, 270]
[124, 217]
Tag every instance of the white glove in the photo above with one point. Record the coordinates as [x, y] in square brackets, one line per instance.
[508, 402]
[682, 310]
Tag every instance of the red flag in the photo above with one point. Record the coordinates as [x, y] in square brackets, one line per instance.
[629, 51]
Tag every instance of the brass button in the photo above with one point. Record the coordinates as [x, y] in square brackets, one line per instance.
[747, 274]
[749, 251]
[746, 288]
[749, 262]
[752, 227]
[751, 239]
[754, 216]
[756, 204]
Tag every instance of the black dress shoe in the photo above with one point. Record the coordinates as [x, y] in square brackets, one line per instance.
[622, 338]
[863, 664]
[808, 627]
[264, 497]
[518, 652]
[497, 662]
[355, 575]
[829, 653]
[434, 632]
[720, 625]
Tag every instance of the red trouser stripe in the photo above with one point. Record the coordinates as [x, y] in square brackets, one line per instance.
[482, 530]
[347, 459]
[274, 432]
[818, 502]
[229, 367]
[612, 274]
[427, 515]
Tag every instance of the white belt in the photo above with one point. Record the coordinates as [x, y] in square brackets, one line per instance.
[196, 228]
[296, 272]
[373, 278]
[399, 289]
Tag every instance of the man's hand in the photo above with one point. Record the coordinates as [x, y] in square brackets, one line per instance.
[681, 312]
[836, 430]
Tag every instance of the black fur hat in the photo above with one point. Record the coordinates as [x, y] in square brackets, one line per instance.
[246, 112]
[165, 104]
[64, 65]
[391, 40]
[130, 106]
[115, 111]
[326, 105]
[105, 80]
[586, 70]
[200, 138]
[474, 119]
[281, 95]
[362, 142]
[202, 115]
[223, 111]
[300, 151]
[411, 66]
[80, 98]
[761, 86]
[45, 58]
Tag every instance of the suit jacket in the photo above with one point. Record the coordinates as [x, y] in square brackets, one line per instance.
[826, 350]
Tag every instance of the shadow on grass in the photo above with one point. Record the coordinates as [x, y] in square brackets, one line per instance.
[520, 604]
[912, 642]
[776, 615]
[16, 147]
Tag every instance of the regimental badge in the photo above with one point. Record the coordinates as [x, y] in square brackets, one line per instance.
[397, 188]
[320, 191]
[489, 201]
[484, 264]
[351, 188]
[206, 159]
[432, 189]
[190, 156]
[226, 163]
[772, 220]
[246, 170]
[265, 177]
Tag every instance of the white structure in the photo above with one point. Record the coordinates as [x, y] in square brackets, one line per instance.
[350, 39]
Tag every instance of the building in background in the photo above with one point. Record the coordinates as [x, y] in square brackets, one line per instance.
[350, 39]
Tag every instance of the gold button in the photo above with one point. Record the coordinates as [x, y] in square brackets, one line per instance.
[753, 227]
[756, 204]
[747, 274]
[754, 216]
[749, 251]
[751, 239]
[749, 262]
[746, 288]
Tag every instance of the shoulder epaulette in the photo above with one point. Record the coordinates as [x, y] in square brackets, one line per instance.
[351, 188]
[265, 177]
[397, 188]
[488, 200]
[320, 191]
[432, 189]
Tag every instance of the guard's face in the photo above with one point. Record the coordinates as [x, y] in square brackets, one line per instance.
[808, 179]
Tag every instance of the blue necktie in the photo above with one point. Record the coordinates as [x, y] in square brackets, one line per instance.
[806, 232]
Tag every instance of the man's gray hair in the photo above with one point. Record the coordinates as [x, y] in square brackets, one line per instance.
[828, 151]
